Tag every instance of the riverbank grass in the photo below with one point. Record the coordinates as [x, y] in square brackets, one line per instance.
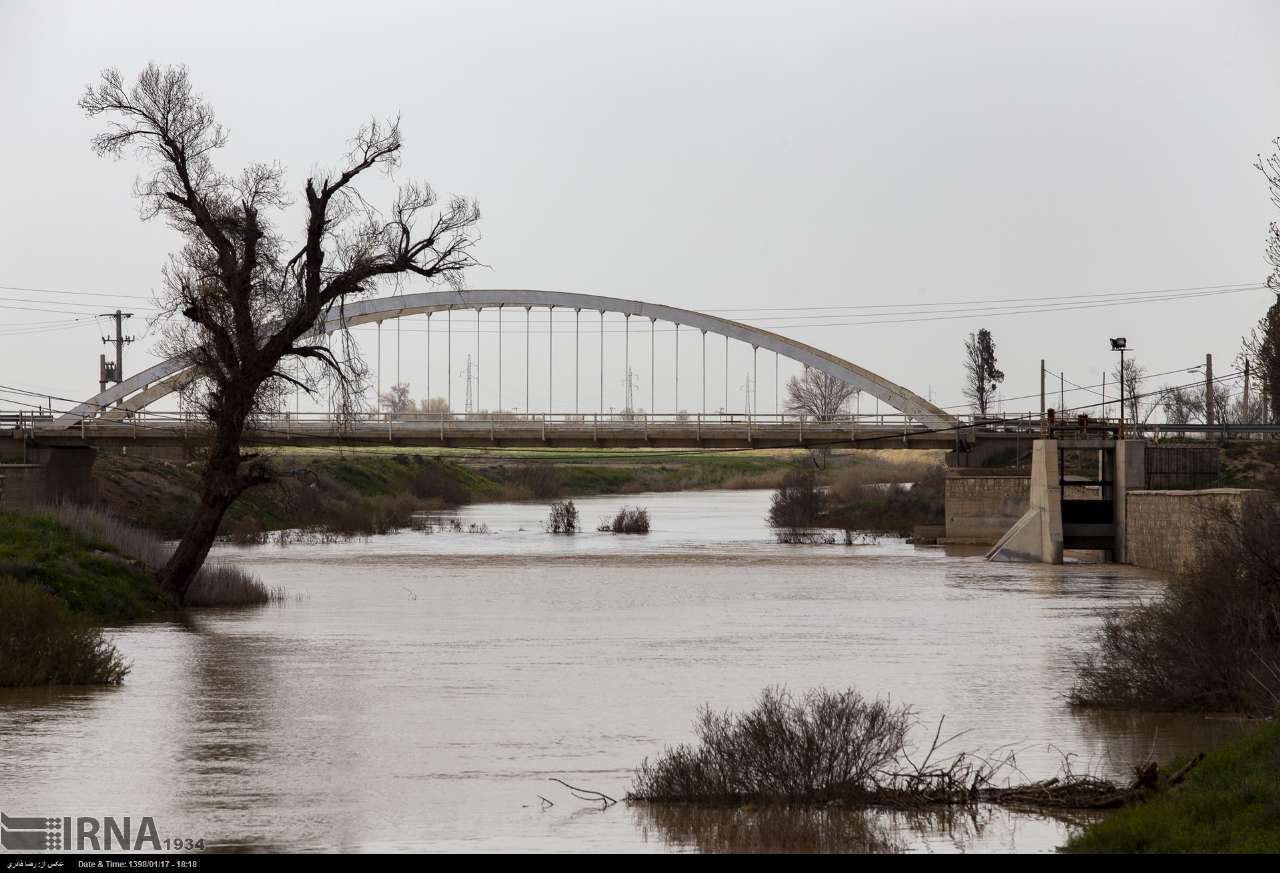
[1229, 803]
[87, 573]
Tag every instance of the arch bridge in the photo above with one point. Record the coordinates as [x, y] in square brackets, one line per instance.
[125, 411]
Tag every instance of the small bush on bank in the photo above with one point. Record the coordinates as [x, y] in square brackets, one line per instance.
[1212, 642]
[629, 520]
[563, 517]
[42, 642]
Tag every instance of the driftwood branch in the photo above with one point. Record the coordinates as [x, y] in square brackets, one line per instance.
[587, 793]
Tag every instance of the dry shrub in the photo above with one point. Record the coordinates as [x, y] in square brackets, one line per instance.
[1212, 642]
[629, 520]
[798, 502]
[563, 517]
[820, 744]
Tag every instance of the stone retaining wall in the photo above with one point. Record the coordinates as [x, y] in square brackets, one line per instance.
[1165, 527]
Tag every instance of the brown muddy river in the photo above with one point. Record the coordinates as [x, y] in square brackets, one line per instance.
[418, 691]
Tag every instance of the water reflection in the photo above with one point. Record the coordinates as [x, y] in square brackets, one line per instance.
[834, 828]
[361, 717]
[767, 828]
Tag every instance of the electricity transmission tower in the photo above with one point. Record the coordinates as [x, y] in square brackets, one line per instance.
[469, 373]
[632, 382]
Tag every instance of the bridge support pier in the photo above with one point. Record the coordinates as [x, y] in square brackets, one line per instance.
[1037, 536]
[1080, 512]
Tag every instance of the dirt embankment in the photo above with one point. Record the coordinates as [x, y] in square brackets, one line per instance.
[371, 491]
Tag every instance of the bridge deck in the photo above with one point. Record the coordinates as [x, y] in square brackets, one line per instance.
[459, 432]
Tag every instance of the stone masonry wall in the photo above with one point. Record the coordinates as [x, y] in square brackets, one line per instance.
[1164, 527]
[979, 509]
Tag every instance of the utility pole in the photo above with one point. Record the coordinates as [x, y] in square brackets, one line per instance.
[106, 371]
[1209, 411]
[1062, 381]
[746, 394]
[1042, 419]
[1248, 417]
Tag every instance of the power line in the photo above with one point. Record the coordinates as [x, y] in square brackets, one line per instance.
[1239, 285]
[74, 293]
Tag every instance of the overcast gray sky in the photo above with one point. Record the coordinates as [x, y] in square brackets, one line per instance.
[716, 156]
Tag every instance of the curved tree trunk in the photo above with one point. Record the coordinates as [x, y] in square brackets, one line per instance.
[222, 484]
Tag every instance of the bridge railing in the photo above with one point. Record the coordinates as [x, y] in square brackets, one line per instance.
[316, 420]
[117, 420]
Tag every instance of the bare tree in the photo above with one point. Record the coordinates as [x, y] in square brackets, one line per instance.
[818, 394]
[1182, 404]
[1138, 408]
[434, 405]
[981, 375]
[396, 399]
[1261, 347]
[240, 301]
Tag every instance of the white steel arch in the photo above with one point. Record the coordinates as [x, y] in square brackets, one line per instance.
[168, 376]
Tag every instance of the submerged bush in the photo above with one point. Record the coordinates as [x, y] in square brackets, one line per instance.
[1212, 642]
[42, 642]
[563, 517]
[799, 501]
[629, 520]
[820, 744]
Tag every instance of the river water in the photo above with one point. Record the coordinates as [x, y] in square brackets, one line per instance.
[419, 691]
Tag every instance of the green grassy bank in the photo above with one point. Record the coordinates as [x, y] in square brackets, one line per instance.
[57, 586]
[88, 574]
[1229, 803]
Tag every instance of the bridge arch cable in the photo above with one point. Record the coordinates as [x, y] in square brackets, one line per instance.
[168, 376]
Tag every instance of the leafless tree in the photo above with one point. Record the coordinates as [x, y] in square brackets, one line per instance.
[818, 394]
[434, 405]
[1138, 407]
[1261, 347]
[981, 375]
[1182, 404]
[241, 301]
[396, 399]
